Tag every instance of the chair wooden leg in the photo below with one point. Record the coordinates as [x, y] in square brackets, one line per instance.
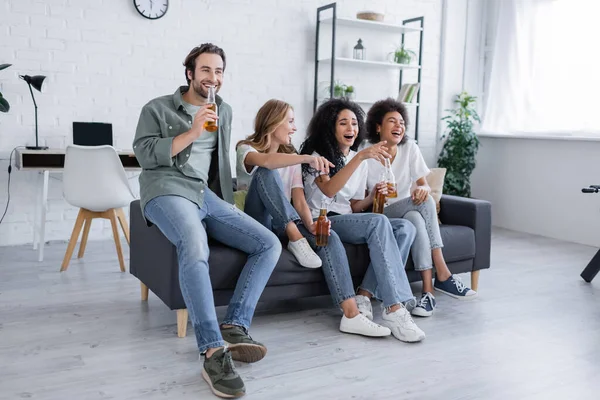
[124, 225]
[73, 240]
[84, 238]
[113, 222]
[144, 292]
[475, 279]
[182, 320]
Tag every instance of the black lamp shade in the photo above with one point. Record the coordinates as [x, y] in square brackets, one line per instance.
[36, 81]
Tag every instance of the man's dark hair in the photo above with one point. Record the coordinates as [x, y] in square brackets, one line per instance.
[190, 60]
[376, 114]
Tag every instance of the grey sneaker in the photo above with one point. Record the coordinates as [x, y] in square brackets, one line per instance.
[243, 347]
[219, 372]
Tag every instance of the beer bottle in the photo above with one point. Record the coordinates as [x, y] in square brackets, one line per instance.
[211, 101]
[392, 189]
[322, 231]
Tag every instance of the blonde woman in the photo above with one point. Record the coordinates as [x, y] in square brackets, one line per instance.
[269, 167]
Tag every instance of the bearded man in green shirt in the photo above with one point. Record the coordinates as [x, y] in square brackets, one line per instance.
[186, 191]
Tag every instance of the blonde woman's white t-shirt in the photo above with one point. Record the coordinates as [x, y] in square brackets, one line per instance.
[408, 167]
[353, 190]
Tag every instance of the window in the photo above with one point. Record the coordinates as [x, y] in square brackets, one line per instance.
[541, 74]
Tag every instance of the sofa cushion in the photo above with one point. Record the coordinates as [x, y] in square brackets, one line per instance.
[435, 180]
[226, 263]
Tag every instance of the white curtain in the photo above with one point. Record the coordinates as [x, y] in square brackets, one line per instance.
[545, 69]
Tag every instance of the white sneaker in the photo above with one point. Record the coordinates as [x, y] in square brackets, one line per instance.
[402, 325]
[304, 253]
[360, 325]
[364, 306]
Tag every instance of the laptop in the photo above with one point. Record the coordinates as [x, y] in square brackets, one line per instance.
[92, 133]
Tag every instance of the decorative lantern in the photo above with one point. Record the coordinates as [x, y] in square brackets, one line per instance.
[359, 51]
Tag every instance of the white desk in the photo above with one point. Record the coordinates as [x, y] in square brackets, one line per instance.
[53, 161]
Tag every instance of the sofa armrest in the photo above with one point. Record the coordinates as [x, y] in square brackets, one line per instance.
[476, 214]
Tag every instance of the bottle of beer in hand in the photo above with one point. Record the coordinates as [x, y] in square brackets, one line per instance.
[391, 180]
[322, 231]
[211, 101]
[379, 199]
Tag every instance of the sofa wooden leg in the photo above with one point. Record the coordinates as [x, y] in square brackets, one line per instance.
[144, 292]
[182, 320]
[475, 279]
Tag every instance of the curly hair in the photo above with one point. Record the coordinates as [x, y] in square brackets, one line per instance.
[376, 114]
[320, 134]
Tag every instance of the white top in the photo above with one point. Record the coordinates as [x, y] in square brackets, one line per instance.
[408, 166]
[353, 190]
[290, 176]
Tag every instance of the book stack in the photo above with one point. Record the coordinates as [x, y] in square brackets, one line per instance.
[408, 93]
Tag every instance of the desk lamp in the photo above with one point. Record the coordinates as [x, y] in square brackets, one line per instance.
[37, 82]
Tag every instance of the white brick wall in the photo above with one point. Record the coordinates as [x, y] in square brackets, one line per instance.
[104, 62]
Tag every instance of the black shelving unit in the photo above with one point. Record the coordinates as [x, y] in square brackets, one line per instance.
[334, 25]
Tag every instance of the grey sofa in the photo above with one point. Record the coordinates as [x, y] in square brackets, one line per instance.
[466, 232]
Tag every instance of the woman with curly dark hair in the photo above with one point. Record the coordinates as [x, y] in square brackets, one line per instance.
[386, 122]
[335, 132]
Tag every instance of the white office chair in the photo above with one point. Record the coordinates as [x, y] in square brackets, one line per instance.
[94, 180]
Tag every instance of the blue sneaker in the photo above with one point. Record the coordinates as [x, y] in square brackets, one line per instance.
[425, 306]
[454, 287]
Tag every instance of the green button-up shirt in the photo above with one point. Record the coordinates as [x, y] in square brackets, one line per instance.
[160, 121]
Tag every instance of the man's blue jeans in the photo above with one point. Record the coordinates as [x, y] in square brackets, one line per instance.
[182, 222]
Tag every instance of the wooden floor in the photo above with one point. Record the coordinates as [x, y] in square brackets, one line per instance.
[534, 333]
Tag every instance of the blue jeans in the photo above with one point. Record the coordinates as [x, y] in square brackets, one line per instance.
[267, 203]
[182, 222]
[424, 218]
[389, 242]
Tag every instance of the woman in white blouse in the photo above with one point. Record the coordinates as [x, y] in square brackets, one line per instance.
[386, 121]
[334, 132]
[269, 167]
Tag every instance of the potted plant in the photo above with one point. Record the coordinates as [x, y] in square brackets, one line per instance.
[339, 89]
[460, 146]
[4, 105]
[402, 55]
[350, 92]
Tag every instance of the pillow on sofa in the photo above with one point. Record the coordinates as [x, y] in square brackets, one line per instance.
[435, 180]
[239, 198]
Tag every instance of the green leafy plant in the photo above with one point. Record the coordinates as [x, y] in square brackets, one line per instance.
[460, 146]
[339, 89]
[4, 105]
[349, 92]
[403, 55]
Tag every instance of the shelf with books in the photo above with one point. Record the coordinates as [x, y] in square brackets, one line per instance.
[329, 23]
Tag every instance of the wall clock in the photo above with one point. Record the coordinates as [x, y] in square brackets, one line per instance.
[151, 9]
